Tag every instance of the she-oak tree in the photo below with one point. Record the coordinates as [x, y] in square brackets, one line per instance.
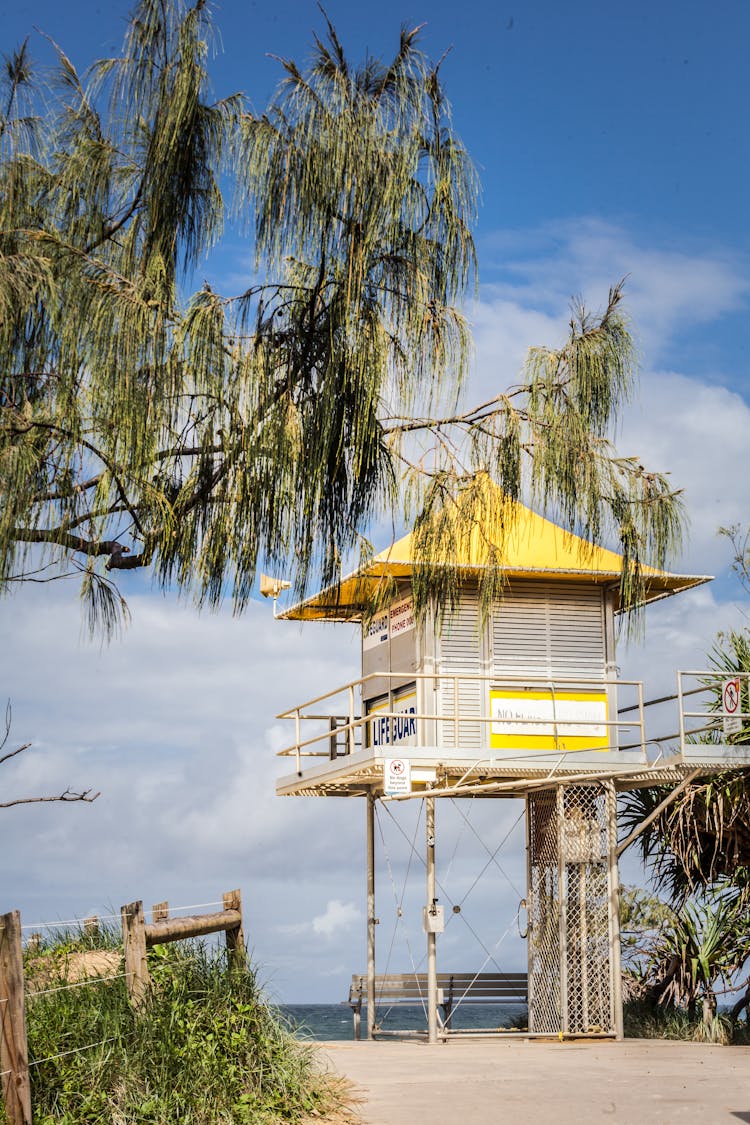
[203, 435]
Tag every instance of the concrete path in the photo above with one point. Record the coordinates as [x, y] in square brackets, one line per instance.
[526, 1082]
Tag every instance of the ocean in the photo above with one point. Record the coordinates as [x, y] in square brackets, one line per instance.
[334, 1021]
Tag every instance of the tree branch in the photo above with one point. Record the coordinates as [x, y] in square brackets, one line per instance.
[12, 754]
[67, 797]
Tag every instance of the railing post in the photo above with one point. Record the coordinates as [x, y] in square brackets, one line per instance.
[680, 705]
[350, 732]
[14, 1057]
[642, 720]
[235, 937]
[297, 739]
[134, 942]
[555, 730]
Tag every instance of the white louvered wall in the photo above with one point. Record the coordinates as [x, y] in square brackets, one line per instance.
[550, 630]
[461, 650]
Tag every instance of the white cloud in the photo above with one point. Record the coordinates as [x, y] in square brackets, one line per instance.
[698, 432]
[693, 427]
[668, 287]
[338, 916]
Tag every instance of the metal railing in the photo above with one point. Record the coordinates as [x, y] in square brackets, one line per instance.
[343, 724]
[723, 716]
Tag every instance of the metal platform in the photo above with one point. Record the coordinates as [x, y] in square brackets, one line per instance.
[454, 773]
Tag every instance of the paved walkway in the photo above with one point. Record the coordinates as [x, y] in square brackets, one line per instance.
[526, 1082]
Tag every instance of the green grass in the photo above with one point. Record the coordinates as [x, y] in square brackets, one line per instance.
[647, 1021]
[205, 1048]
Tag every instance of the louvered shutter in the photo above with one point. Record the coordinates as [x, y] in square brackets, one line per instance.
[549, 630]
[460, 647]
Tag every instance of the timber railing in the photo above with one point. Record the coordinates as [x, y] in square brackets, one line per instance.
[138, 936]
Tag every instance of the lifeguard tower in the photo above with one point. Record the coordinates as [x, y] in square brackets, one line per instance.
[523, 700]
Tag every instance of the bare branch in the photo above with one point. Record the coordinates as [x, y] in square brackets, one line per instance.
[68, 796]
[12, 754]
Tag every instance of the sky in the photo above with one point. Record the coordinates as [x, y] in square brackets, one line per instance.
[611, 142]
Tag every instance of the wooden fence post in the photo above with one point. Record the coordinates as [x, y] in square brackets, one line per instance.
[134, 942]
[14, 1057]
[236, 936]
[160, 912]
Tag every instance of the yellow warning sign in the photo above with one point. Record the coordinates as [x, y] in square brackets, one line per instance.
[542, 719]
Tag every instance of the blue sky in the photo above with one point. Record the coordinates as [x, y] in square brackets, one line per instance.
[610, 141]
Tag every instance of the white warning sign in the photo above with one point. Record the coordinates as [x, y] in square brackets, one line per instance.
[397, 776]
[401, 615]
[730, 703]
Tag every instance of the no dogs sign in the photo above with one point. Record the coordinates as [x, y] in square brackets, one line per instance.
[730, 703]
[397, 776]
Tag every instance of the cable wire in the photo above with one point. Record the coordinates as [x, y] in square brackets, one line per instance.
[492, 855]
[447, 897]
[108, 917]
[32, 995]
[73, 1051]
[400, 903]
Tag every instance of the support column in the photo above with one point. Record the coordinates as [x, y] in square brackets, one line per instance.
[530, 915]
[615, 961]
[431, 935]
[371, 920]
[562, 898]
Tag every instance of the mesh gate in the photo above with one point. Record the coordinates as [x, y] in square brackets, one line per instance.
[570, 928]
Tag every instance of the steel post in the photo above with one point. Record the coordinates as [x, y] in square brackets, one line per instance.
[614, 911]
[432, 996]
[371, 920]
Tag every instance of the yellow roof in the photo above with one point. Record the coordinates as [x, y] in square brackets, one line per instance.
[533, 548]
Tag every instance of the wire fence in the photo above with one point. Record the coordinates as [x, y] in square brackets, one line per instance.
[107, 917]
[72, 1051]
[169, 923]
[36, 993]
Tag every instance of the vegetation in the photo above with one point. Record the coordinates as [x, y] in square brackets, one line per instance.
[739, 538]
[643, 1020]
[681, 959]
[207, 1048]
[685, 953]
[202, 436]
[702, 839]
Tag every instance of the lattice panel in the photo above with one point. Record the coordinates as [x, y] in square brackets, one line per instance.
[569, 934]
[545, 1009]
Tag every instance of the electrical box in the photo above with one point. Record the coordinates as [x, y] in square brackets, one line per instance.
[433, 920]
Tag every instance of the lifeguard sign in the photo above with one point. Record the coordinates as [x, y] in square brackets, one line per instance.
[518, 700]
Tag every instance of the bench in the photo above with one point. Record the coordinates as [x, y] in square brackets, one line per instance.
[452, 989]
